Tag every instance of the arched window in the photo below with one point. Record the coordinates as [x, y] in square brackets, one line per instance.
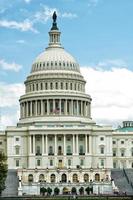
[37, 86]
[56, 86]
[75, 178]
[51, 86]
[41, 178]
[97, 177]
[86, 177]
[102, 150]
[46, 86]
[61, 85]
[69, 152]
[41, 86]
[52, 178]
[64, 178]
[30, 178]
[50, 150]
[71, 86]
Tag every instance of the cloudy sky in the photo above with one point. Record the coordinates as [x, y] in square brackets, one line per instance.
[98, 33]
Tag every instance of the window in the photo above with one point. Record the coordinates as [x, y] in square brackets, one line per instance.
[114, 164]
[51, 150]
[59, 138]
[102, 163]
[38, 150]
[114, 153]
[97, 177]
[102, 150]
[51, 163]
[122, 153]
[30, 178]
[17, 139]
[69, 150]
[17, 150]
[69, 162]
[0, 142]
[81, 150]
[52, 178]
[17, 163]
[38, 163]
[114, 142]
[122, 142]
[75, 178]
[41, 178]
[86, 177]
[102, 138]
[81, 162]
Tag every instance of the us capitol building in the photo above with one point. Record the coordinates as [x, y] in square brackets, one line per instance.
[56, 143]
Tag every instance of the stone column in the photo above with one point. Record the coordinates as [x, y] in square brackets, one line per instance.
[42, 144]
[46, 145]
[77, 145]
[90, 144]
[34, 145]
[77, 107]
[60, 106]
[27, 108]
[30, 150]
[54, 111]
[30, 108]
[86, 146]
[65, 110]
[42, 108]
[47, 107]
[36, 108]
[64, 144]
[55, 144]
[71, 107]
[81, 108]
[73, 144]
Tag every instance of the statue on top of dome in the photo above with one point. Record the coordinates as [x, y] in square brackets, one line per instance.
[54, 17]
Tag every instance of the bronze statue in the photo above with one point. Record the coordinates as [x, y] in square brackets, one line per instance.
[54, 17]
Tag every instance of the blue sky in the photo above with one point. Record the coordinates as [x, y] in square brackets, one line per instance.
[98, 33]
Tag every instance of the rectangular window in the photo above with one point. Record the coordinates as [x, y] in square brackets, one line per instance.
[114, 153]
[102, 163]
[102, 150]
[0, 142]
[17, 163]
[101, 138]
[51, 162]
[114, 142]
[122, 142]
[122, 153]
[38, 163]
[81, 162]
[17, 139]
[69, 162]
[114, 164]
[17, 150]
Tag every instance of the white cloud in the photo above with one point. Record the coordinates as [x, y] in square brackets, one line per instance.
[69, 15]
[9, 66]
[26, 25]
[10, 93]
[46, 13]
[111, 92]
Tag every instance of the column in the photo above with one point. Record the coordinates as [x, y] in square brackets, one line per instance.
[77, 145]
[77, 108]
[46, 145]
[60, 106]
[30, 108]
[64, 144]
[47, 107]
[42, 144]
[27, 107]
[55, 145]
[30, 150]
[90, 144]
[54, 110]
[73, 144]
[71, 107]
[86, 146]
[65, 107]
[34, 144]
[36, 108]
[81, 108]
[42, 108]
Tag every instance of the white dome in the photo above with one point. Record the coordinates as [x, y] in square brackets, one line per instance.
[55, 58]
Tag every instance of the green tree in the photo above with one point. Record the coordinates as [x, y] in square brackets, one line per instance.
[3, 171]
[81, 190]
[56, 191]
[87, 190]
[49, 191]
[43, 191]
[73, 190]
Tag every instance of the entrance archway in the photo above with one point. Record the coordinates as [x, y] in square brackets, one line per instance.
[64, 178]
[66, 190]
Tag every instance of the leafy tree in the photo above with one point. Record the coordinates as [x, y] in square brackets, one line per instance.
[56, 191]
[81, 190]
[87, 190]
[3, 171]
[43, 190]
[73, 190]
[49, 191]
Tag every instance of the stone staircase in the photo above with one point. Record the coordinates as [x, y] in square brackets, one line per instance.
[121, 181]
[11, 184]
